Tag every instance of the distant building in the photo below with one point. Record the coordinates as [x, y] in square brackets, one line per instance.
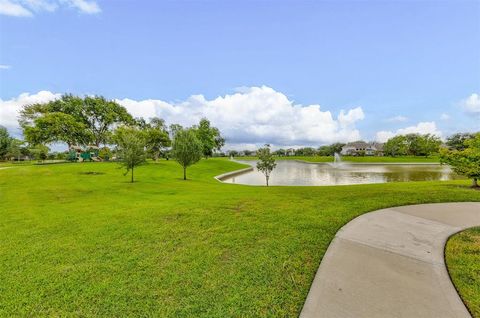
[358, 148]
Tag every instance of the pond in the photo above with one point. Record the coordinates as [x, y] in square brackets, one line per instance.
[316, 174]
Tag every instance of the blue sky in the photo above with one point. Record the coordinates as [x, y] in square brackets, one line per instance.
[402, 62]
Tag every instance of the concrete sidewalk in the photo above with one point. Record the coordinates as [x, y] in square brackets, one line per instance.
[390, 263]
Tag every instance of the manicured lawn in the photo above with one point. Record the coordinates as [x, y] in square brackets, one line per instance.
[79, 240]
[367, 159]
[463, 261]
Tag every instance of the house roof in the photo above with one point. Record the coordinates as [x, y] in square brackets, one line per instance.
[364, 145]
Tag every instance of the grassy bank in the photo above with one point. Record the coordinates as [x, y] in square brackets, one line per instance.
[463, 262]
[79, 240]
[404, 159]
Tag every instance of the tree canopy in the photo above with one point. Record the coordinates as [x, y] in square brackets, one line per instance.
[187, 149]
[156, 136]
[412, 144]
[457, 141]
[465, 162]
[209, 136]
[131, 147]
[266, 162]
[73, 120]
[5, 141]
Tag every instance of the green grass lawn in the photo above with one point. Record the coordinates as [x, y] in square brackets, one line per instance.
[463, 262]
[367, 159]
[78, 243]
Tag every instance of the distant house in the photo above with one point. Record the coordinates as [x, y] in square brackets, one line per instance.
[290, 152]
[362, 148]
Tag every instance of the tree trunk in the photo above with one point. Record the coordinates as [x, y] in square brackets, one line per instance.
[474, 183]
[266, 178]
[132, 176]
[184, 173]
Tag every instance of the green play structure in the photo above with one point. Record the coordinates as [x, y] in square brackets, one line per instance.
[89, 153]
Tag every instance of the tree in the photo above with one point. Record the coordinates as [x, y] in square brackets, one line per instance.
[131, 148]
[396, 146]
[422, 145]
[5, 141]
[15, 148]
[280, 152]
[92, 116]
[157, 137]
[307, 151]
[187, 149]
[209, 136]
[39, 152]
[430, 144]
[457, 141]
[173, 130]
[233, 153]
[465, 162]
[325, 151]
[266, 162]
[56, 127]
[336, 148]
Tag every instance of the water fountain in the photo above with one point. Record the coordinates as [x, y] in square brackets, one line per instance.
[337, 160]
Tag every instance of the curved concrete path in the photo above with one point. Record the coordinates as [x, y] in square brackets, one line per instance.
[390, 263]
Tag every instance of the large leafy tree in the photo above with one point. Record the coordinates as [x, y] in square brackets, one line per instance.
[73, 120]
[56, 127]
[396, 146]
[457, 141]
[186, 149]
[131, 148]
[465, 162]
[412, 144]
[210, 137]
[266, 162]
[101, 115]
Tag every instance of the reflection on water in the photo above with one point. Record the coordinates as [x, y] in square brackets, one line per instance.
[299, 173]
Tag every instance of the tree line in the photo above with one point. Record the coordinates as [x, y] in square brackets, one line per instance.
[95, 120]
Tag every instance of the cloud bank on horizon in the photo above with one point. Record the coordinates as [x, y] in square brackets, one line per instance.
[28, 8]
[249, 117]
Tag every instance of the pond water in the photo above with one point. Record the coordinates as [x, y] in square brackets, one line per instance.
[315, 174]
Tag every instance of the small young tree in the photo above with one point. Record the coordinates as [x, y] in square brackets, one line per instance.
[266, 162]
[186, 149]
[131, 148]
[465, 162]
[5, 141]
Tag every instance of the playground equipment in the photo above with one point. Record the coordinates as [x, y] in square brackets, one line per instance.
[90, 153]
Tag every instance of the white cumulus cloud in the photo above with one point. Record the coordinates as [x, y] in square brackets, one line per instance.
[420, 128]
[13, 8]
[9, 109]
[444, 116]
[471, 104]
[89, 7]
[4, 67]
[26, 8]
[252, 117]
[397, 119]
[256, 115]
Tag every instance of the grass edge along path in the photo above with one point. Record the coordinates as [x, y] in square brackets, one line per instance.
[462, 255]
